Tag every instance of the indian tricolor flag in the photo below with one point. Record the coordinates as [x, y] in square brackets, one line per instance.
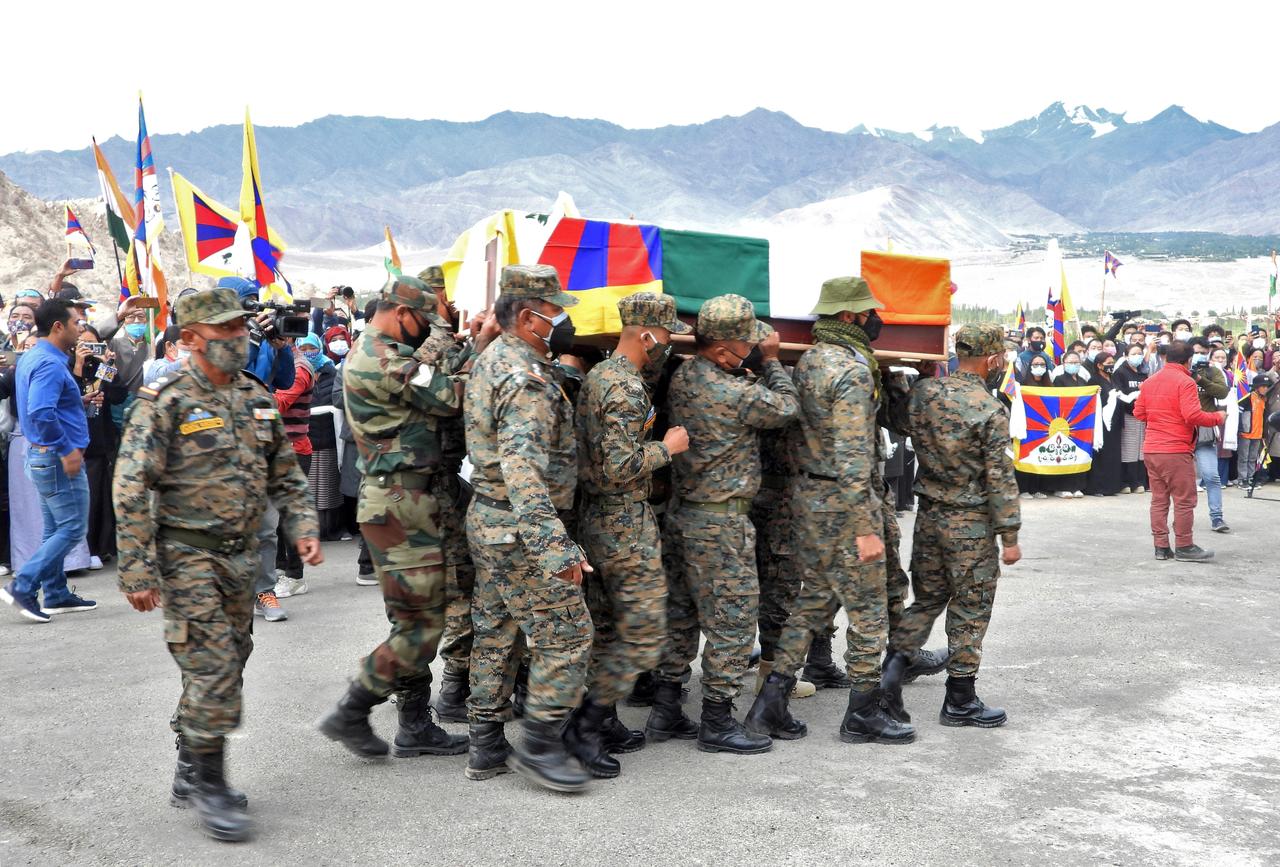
[119, 209]
[390, 255]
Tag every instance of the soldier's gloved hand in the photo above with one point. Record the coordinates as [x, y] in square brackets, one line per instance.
[870, 548]
[144, 600]
[1011, 554]
[309, 551]
[574, 573]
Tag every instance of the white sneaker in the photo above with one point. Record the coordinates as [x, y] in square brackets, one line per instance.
[370, 580]
[95, 563]
[4, 570]
[1040, 496]
[286, 587]
[1063, 495]
[1026, 495]
[1078, 494]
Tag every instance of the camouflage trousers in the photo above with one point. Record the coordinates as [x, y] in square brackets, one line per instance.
[954, 565]
[460, 576]
[208, 624]
[627, 594]
[897, 576]
[833, 578]
[512, 596]
[771, 515]
[714, 588]
[401, 526]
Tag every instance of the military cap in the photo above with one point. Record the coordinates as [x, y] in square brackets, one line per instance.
[433, 276]
[845, 293]
[409, 291]
[653, 310]
[211, 306]
[730, 317]
[534, 281]
[976, 341]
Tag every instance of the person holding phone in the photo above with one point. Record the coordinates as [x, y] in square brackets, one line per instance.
[94, 373]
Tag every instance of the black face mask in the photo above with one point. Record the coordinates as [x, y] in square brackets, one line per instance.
[872, 326]
[1037, 345]
[415, 341]
[752, 361]
[560, 340]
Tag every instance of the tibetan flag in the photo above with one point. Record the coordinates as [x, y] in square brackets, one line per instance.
[1009, 385]
[144, 255]
[74, 229]
[913, 289]
[390, 256]
[601, 263]
[1240, 368]
[266, 260]
[1110, 264]
[1022, 318]
[209, 230]
[1055, 324]
[119, 209]
[1055, 430]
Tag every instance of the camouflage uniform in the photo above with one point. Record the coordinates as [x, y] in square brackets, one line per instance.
[628, 590]
[897, 581]
[773, 517]
[716, 586]
[968, 495]
[213, 456]
[519, 429]
[394, 399]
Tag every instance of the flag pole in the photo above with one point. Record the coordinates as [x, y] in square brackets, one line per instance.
[178, 210]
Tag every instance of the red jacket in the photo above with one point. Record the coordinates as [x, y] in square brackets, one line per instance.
[1170, 405]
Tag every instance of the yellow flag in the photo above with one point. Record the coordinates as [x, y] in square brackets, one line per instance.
[1068, 309]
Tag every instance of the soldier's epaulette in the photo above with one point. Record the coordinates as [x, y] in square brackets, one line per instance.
[151, 391]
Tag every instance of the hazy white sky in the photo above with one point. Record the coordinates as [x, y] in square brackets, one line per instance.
[71, 69]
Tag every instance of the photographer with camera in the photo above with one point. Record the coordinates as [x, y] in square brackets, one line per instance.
[94, 373]
[341, 310]
[1212, 387]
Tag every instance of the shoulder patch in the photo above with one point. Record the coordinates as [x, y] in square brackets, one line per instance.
[152, 390]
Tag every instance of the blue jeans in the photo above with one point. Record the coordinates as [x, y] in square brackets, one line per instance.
[64, 505]
[1207, 470]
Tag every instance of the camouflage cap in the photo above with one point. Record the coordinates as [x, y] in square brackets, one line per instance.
[211, 306]
[409, 291]
[976, 341]
[534, 281]
[730, 317]
[652, 310]
[433, 276]
[845, 293]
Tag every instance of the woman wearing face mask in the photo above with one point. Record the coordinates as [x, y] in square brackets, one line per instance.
[1036, 373]
[1090, 361]
[1106, 475]
[95, 375]
[322, 478]
[170, 354]
[337, 343]
[1228, 432]
[1071, 375]
[1127, 379]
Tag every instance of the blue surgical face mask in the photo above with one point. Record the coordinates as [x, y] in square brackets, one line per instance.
[1092, 354]
[136, 330]
[1134, 361]
[1071, 368]
[1038, 371]
[1199, 358]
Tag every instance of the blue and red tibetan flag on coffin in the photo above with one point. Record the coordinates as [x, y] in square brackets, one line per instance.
[603, 263]
[1055, 430]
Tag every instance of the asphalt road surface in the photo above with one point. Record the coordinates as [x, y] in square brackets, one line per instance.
[1142, 702]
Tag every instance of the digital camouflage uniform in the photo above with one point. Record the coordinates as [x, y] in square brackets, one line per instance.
[968, 496]
[715, 585]
[394, 399]
[520, 437]
[773, 517]
[213, 456]
[616, 460]
[837, 416]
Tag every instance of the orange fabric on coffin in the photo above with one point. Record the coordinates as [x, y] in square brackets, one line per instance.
[914, 290]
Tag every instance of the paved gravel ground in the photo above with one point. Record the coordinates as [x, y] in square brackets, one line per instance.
[1142, 699]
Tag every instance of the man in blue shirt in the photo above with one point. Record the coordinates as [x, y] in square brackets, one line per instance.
[51, 412]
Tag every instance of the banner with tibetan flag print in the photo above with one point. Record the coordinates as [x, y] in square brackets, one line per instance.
[1055, 430]
[602, 263]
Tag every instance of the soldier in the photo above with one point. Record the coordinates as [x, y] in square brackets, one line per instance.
[968, 496]
[618, 527]
[839, 512]
[208, 441]
[448, 489]
[716, 586]
[394, 395]
[519, 425]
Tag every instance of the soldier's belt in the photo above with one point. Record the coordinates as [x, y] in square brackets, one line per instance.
[207, 541]
[626, 499]
[821, 478]
[505, 505]
[412, 481]
[735, 506]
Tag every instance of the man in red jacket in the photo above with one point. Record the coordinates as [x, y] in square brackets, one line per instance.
[1170, 405]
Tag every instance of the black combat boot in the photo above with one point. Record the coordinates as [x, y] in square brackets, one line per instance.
[721, 733]
[642, 692]
[520, 694]
[866, 721]
[926, 662]
[962, 707]
[349, 723]
[582, 737]
[769, 714]
[667, 720]
[418, 734]
[819, 670]
[617, 738]
[219, 814]
[891, 674]
[184, 779]
[543, 759]
[451, 698]
[489, 751]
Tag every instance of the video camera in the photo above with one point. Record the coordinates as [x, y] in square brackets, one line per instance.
[290, 320]
[1125, 315]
